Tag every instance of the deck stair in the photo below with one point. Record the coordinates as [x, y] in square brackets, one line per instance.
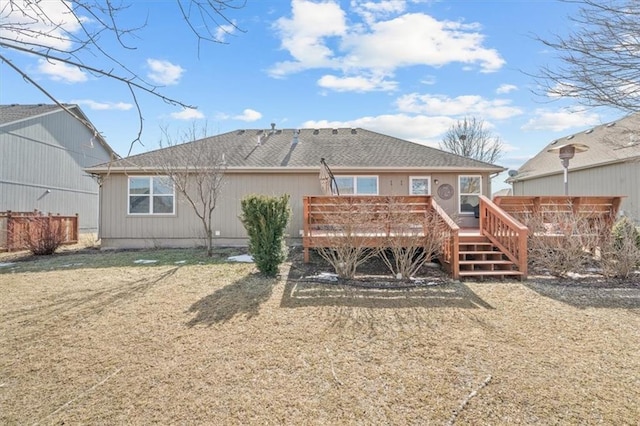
[480, 258]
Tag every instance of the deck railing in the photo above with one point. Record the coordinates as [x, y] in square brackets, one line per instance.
[14, 226]
[505, 232]
[369, 221]
[547, 208]
[451, 240]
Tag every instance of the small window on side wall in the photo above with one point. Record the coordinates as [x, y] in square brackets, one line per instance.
[470, 189]
[420, 185]
[151, 195]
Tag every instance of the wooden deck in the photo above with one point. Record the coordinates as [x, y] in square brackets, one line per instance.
[498, 248]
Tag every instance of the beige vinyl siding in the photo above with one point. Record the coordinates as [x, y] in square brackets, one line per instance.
[622, 179]
[120, 230]
[185, 228]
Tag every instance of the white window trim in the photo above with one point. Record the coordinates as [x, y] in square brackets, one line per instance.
[461, 194]
[355, 183]
[150, 195]
[412, 178]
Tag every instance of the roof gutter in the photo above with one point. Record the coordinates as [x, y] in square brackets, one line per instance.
[576, 169]
[290, 170]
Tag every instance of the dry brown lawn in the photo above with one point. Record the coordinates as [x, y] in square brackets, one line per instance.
[217, 344]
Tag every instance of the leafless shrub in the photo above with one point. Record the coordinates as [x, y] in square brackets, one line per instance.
[43, 236]
[620, 252]
[350, 225]
[413, 239]
[562, 242]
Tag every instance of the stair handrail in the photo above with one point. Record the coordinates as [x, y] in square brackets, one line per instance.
[451, 232]
[507, 233]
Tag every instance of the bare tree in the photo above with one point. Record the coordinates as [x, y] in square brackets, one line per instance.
[77, 33]
[600, 58]
[196, 170]
[348, 224]
[470, 138]
[412, 241]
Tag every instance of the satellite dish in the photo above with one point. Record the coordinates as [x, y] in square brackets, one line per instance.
[513, 173]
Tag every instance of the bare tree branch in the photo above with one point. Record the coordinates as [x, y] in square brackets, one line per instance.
[76, 33]
[470, 138]
[197, 172]
[600, 59]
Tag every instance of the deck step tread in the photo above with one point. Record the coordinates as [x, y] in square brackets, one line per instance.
[478, 273]
[486, 262]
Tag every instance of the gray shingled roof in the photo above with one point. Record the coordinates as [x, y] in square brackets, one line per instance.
[15, 113]
[12, 113]
[341, 148]
[609, 143]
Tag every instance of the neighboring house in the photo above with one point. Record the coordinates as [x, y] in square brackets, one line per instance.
[44, 151]
[275, 162]
[610, 166]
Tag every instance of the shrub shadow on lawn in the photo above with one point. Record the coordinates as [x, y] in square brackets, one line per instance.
[374, 288]
[242, 297]
[299, 293]
[589, 296]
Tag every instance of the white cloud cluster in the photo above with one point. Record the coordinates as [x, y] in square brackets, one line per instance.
[356, 83]
[498, 109]
[318, 35]
[187, 114]
[561, 120]
[103, 106]
[225, 30]
[248, 115]
[164, 72]
[45, 23]
[60, 71]
[421, 129]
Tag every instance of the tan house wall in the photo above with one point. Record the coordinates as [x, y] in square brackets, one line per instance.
[622, 179]
[183, 229]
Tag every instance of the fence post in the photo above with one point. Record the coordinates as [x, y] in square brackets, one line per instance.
[9, 231]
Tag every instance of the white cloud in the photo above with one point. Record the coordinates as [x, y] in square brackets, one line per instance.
[164, 72]
[225, 30]
[506, 88]
[317, 36]
[303, 36]
[45, 23]
[371, 10]
[471, 105]
[59, 71]
[103, 106]
[187, 114]
[248, 115]
[356, 84]
[421, 129]
[561, 120]
[419, 39]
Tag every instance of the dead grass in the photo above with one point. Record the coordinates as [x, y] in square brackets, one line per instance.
[218, 344]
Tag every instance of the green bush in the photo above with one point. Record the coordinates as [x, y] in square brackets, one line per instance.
[625, 229]
[266, 219]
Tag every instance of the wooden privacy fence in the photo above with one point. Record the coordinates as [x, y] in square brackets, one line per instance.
[15, 225]
[546, 214]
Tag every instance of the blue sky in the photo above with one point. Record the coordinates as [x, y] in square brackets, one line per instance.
[407, 68]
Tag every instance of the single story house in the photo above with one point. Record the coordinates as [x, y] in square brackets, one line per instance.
[275, 162]
[44, 151]
[609, 164]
